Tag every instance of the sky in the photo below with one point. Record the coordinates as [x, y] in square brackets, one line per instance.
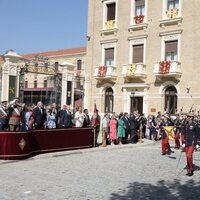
[29, 26]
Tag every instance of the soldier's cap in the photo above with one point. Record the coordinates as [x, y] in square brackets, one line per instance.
[4, 101]
[16, 98]
[190, 115]
[166, 115]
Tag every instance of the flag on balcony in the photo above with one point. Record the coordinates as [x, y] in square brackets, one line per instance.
[139, 19]
[169, 130]
[102, 70]
[94, 116]
[131, 70]
[164, 67]
[172, 13]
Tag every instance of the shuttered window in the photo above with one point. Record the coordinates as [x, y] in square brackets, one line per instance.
[109, 56]
[138, 53]
[79, 64]
[139, 7]
[111, 11]
[171, 50]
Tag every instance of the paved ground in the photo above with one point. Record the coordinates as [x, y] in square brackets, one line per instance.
[133, 171]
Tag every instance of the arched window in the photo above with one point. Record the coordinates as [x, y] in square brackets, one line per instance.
[171, 100]
[109, 100]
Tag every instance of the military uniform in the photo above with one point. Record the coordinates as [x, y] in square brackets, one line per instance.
[15, 115]
[190, 143]
[3, 116]
[164, 138]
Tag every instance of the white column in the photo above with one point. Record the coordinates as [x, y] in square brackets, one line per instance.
[17, 81]
[64, 86]
[86, 92]
[5, 81]
[125, 99]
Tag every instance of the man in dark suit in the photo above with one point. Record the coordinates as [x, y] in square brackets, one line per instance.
[86, 121]
[127, 126]
[65, 117]
[39, 114]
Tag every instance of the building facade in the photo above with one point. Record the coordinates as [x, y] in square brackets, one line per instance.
[53, 76]
[143, 55]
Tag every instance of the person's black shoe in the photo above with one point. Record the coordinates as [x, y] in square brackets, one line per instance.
[189, 174]
[163, 154]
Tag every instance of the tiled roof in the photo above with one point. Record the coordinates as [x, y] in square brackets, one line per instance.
[62, 52]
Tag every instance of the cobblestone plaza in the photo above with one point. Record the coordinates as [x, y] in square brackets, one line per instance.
[132, 171]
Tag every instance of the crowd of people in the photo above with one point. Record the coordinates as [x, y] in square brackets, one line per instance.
[120, 128]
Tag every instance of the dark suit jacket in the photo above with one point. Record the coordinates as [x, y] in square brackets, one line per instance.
[65, 119]
[39, 118]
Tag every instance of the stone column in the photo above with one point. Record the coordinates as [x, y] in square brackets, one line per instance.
[5, 80]
[64, 86]
[86, 96]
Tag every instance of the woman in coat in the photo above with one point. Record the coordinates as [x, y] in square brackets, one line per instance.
[113, 129]
[120, 129]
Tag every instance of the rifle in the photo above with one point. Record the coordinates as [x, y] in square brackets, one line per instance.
[191, 108]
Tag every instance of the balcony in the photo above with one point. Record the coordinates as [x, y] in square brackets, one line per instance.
[172, 18]
[105, 72]
[137, 70]
[109, 28]
[139, 23]
[167, 69]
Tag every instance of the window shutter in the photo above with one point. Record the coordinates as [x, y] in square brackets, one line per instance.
[111, 11]
[139, 3]
[171, 46]
[138, 53]
[109, 54]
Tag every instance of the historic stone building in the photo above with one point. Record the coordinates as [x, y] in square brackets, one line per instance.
[52, 76]
[143, 55]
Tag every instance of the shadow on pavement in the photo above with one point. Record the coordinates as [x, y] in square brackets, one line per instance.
[166, 190]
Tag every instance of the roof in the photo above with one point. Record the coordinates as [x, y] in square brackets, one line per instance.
[62, 52]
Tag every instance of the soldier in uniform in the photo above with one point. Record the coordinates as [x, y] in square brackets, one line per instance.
[15, 113]
[164, 137]
[3, 115]
[190, 142]
[177, 128]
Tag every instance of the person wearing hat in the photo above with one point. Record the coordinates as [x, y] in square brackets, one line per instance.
[3, 115]
[14, 110]
[190, 142]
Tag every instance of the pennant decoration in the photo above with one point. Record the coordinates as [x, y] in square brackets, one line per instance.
[139, 19]
[164, 67]
[102, 70]
[131, 70]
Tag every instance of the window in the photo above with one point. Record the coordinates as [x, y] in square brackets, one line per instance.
[171, 4]
[111, 11]
[138, 53]
[35, 84]
[170, 100]
[45, 83]
[109, 99]
[139, 7]
[171, 50]
[56, 66]
[26, 84]
[79, 64]
[109, 57]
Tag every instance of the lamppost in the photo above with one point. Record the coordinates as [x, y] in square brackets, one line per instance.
[21, 84]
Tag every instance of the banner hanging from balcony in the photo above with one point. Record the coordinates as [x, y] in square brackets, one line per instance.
[102, 70]
[139, 19]
[164, 67]
[131, 70]
[172, 13]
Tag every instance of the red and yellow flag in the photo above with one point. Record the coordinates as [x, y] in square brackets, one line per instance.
[169, 131]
